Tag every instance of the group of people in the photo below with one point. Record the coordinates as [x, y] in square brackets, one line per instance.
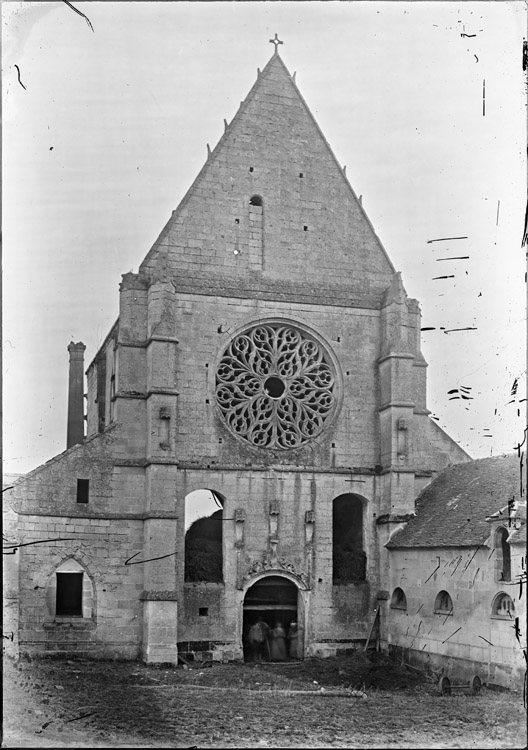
[274, 644]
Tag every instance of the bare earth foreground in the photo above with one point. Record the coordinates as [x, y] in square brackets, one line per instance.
[314, 703]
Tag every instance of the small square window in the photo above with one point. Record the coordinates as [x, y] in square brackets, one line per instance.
[203, 611]
[83, 486]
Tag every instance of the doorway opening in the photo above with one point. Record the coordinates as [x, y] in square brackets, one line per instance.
[272, 600]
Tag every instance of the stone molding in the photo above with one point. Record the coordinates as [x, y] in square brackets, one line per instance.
[279, 566]
[158, 596]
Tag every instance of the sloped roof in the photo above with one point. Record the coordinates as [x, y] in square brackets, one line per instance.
[276, 135]
[452, 510]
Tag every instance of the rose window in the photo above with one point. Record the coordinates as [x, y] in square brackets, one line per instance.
[276, 386]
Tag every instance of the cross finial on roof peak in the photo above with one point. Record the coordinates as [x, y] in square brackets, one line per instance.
[276, 42]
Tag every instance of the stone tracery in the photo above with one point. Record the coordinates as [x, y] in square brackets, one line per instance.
[276, 386]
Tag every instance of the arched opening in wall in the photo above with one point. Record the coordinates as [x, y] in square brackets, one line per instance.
[503, 606]
[443, 604]
[70, 592]
[203, 536]
[398, 599]
[271, 627]
[256, 224]
[349, 561]
[502, 551]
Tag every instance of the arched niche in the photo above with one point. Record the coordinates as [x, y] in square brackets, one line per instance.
[398, 599]
[443, 603]
[503, 606]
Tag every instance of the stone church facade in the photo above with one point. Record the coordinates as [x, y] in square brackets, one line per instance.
[266, 351]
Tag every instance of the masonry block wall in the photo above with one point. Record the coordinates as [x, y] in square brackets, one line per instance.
[269, 232]
[470, 640]
[100, 548]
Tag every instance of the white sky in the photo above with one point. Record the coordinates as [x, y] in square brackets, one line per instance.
[111, 129]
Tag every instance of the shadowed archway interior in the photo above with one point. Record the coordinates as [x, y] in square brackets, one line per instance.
[272, 599]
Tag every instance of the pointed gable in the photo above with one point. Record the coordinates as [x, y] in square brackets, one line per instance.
[271, 211]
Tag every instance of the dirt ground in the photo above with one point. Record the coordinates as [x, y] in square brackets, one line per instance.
[357, 701]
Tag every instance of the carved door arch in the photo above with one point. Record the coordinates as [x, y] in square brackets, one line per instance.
[273, 597]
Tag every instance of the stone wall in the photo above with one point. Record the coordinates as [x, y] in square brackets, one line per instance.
[470, 640]
[101, 547]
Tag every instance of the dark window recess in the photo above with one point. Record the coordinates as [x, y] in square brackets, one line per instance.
[399, 600]
[443, 603]
[83, 489]
[255, 200]
[349, 559]
[203, 611]
[251, 169]
[203, 549]
[69, 594]
[305, 228]
[301, 174]
[503, 556]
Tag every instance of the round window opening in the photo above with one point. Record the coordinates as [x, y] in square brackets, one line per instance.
[276, 386]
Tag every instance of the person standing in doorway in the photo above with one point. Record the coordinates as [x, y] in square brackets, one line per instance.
[277, 643]
[258, 641]
[294, 640]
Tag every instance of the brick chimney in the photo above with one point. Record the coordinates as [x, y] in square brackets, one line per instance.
[75, 433]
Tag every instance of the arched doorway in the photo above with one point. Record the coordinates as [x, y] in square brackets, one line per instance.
[273, 599]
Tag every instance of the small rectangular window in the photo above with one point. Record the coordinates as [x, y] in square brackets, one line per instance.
[83, 490]
[203, 611]
[69, 594]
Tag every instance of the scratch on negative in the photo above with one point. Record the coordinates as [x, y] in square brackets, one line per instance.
[79, 12]
[20, 82]
[452, 634]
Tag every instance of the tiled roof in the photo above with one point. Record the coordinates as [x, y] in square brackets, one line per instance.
[452, 510]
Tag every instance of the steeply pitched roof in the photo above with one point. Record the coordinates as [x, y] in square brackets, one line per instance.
[272, 148]
[452, 510]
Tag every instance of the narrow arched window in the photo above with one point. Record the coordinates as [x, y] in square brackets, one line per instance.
[443, 604]
[503, 606]
[348, 556]
[502, 551]
[203, 536]
[398, 599]
[256, 227]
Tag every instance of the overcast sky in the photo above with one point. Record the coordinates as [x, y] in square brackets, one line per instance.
[105, 130]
